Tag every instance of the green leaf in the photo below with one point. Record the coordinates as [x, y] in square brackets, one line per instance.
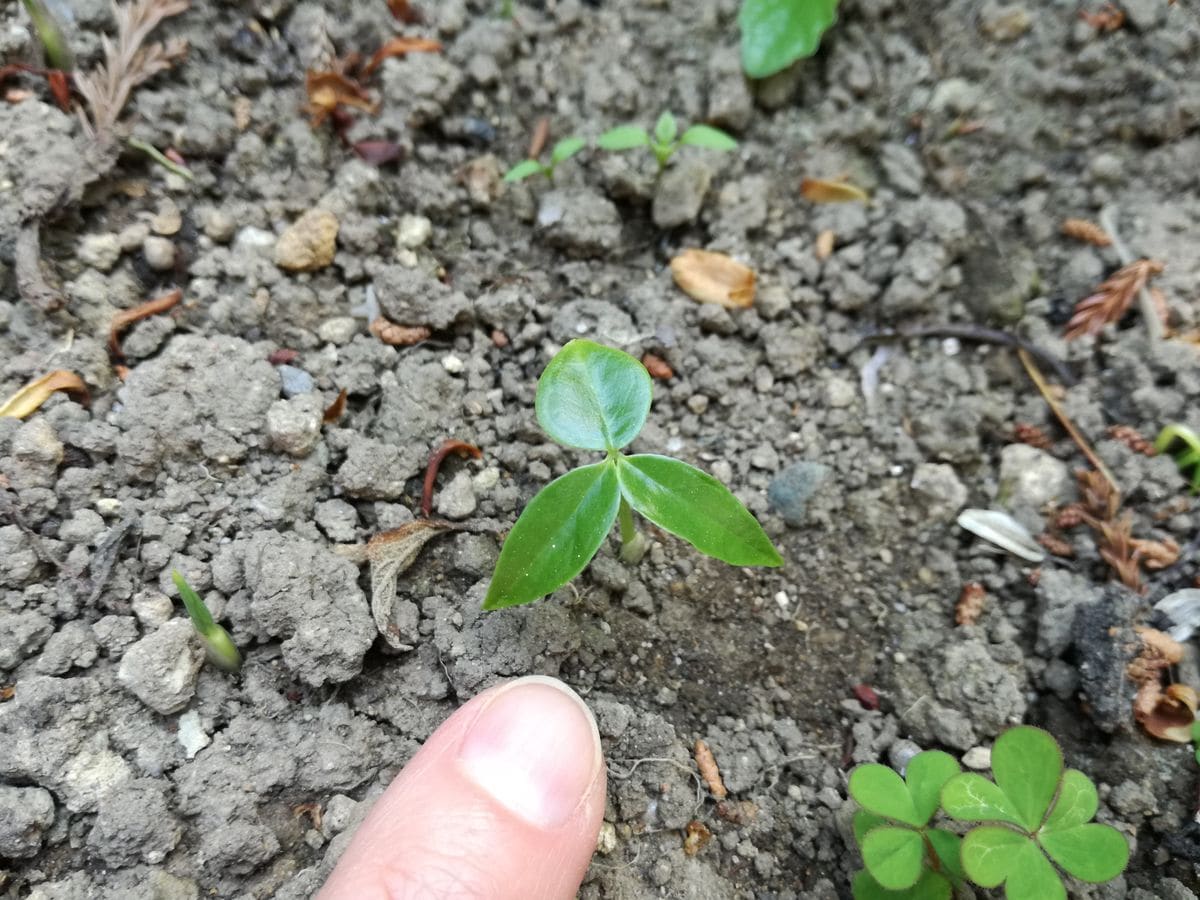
[696, 507]
[776, 33]
[1075, 804]
[556, 535]
[665, 128]
[708, 137]
[931, 886]
[894, 856]
[1092, 852]
[624, 137]
[202, 619]
[994, 855]
[926, 775]
[221, 649]
[863, 822]
[972, 798]
[565, 149]
[948, 847]
[1027, 765]
[523, 170]
[593, 397]
[880, 790]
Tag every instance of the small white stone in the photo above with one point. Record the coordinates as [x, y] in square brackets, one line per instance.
[781, 599]
[191, 734]
[159, 253]
[152, 608]
[108, 506]
[606, 843]
[452, 364]
[978, 758]
[413, 231]
[486, 480]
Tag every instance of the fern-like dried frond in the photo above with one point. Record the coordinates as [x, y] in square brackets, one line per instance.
[1112, 299]
[127, 63]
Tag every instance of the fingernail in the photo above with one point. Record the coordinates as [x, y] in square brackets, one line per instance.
[535, 749]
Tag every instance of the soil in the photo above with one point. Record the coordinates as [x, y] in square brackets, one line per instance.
[129, 769]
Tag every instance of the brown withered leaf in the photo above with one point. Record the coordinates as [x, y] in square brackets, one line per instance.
[1167, 715]
[971, 600]
[400, 46]
[329, 90]
[398, 335]
[657, 367]
[695, 837]
[405, 12]
[1158, 645]
[739, 812]
[1106, 20]
[7, 692]
[1088, 232]
[1117, 549]
[537, 140]
[714, 278]
[1112, 298]
[390, 554]
[127, 317]
[1100, 501]
[336, 409]
[706, 763]
[819, 190]
[823, 248]
[29, 398]
[462, 448]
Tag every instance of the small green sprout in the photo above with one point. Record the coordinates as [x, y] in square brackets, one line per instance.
[593, 397]
[220, 646]
[50, 33]
[666, 139]
[776, 33]
[1188, 457]
[560, 152]
[1196, 738]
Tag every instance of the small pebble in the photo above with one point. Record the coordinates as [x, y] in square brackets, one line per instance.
[413, 231]
[294, 381]
[159, 253]
[978, 758]
[452, 364]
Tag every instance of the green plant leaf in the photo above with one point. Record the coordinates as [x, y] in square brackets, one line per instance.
[994, 855]
[696, 507]
[556, 535]
[863, 822]
[926, 775]
[931, 886]
[948, 847]
[202, 619]
[523, 170]
[624, 137]
[972, 798]
[593, 397]
[894, 856]
[882, 791]
[665, 128]
[1090, 852]
[221, 650]
[1027, 765]
[776, 33]
[1075, 804]
[565, 149]
[708, 137]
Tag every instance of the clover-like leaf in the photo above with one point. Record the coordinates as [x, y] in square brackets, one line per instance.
[624, 137]
[930, 886]
[696, 507]
[776, 33]
[972, 798]
[948, 847]
[925, 776]
[1091, 852]
[1027, 764]
[593, 397]
[863, 822]
[523, 170]
[993, 855]
[894, 856]
[882, 791]
[1076, 803]
[708, 137]
[665, 128]
[556, 535]
[565, 149]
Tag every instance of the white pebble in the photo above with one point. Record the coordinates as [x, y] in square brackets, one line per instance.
[452, 364]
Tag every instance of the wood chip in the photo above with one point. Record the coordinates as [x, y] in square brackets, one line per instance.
[400, 46]
[818, 190]
[696, 836]
[706, 763]
[714, 278]
[28, 399]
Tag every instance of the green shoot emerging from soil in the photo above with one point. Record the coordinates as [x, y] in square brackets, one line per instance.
[50, 33]
[560, 152]
[220, 646]
[776, 33]
[1033, 816]
[593, 397]
[1188, 456]
[666, 138]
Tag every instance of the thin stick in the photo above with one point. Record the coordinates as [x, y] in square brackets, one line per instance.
[1154, 325]
[1039, 381]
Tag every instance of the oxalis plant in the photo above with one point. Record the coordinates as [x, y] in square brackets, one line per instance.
[666, 138]
[1035, 816]
[560, 152]
[593, 397]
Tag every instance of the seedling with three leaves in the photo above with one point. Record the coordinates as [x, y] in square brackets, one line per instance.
[666, 138]
[1035, 815]
[560, 152]
[593, 397]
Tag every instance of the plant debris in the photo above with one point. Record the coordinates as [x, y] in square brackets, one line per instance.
[866, 696]
[462, 448]
[537, 140]
[28, 399]
[706, 763]
[1088, 232]
[377, 152]
[696, 836]
[327, 91]
[817, 190]
[311, 811]
[400, 46]
[1056, 545]
[714, 278]
[1106, 20]
[405, 12]
[971, 601]
[390, 553]
[1025, 433]
[1003, 530]
[336, 409]
[127, 317]
[1166, 714]
[1179, 613]
[657, 367]
[1132, 438]
[1112, 299]
[398, 335]
[823, 246]
[1187, 458]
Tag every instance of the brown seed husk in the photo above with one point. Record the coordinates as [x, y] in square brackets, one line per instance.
[819, 190]
[714, 278]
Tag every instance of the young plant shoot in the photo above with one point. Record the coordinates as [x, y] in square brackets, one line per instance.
[593, 397]
[1186, 450]
[560, 152]
[221, 649]
[776, 33]
[666, 138]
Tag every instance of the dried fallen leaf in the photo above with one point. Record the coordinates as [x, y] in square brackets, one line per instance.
[336, 409]
[1112, 298]
[1088, 232]
[400, 46]
[60, 88]
[1003, 530]
[714, 278]
[398, 335]
[377, 153]
[329, 90]
[390, 554]
[537, 140]
[823, 248]
[7, 692]
[866, 696]
[971, 600]
[695, 837]
[657, 367]
[283, 356]
[1167, 715]
[1159, 645]
[1100, 501]
[405, 12]
[462, 448]
[817, 190]
[27, 400]
[706, 763]
[127, 317]
[739, 812]
[1117, 548]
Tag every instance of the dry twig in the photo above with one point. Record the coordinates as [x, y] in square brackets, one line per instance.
[127, 317]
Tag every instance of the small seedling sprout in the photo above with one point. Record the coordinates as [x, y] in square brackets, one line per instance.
[666, 138]
[593, 397]
[220, 647]
[560, 152]
[50, 33]
[1187, 458]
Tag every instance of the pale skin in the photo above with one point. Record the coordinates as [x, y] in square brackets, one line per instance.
[503, 802]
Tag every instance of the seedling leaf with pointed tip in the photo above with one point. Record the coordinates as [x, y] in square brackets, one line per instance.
[708, 137]
[523, 170]
[565, 149]
[220, 647]
[624, 137]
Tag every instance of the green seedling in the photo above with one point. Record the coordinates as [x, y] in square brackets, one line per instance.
[666, 138]
[776, 33]
[560, 152]
[1186, 457]
[50, 33]
[1196, 738]
[906, 858]
[218, 643]
[593, 397]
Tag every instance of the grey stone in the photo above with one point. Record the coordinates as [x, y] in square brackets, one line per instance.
[294, 426]
[411, 297]
[340, 330]
[680, 193]
[951, 435]
[159, 253]
[1004, 22]
[21, 635]
[1144, 15]
[790, 490]
[220, 226]
[457, 499]
[730, 103]
[84, 526]
[294, 381]
[1103, 636]
[916, 278]
[374, 470]
[938, 490]
[579, 222]
[161, 669]
[100, 251]
[72, 646]
[135, 824]
[1031, 479]
[25, 815]
[792, 351]
[997, 278]
[338, 519]
[18, 564]
[1060, 594]
[902, 167]
[115, 633]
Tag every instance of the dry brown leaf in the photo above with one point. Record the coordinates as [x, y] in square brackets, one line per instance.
[1100, 501]
[127, 317]
[695, 837]
[390, 554]
[1106, 20]
[657, 367]
[970, 603]
[329, 90]
[405, 12]
[739, 812]
[1117, 549]
[7, 692]
[706, 763]
[398, 335]
[817, 190]
[400, 46]
[714, 278]
[1167, 715]
[823, 249]
[29, 398]
[1088, 232]
[1112, 298]
[336, 409]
